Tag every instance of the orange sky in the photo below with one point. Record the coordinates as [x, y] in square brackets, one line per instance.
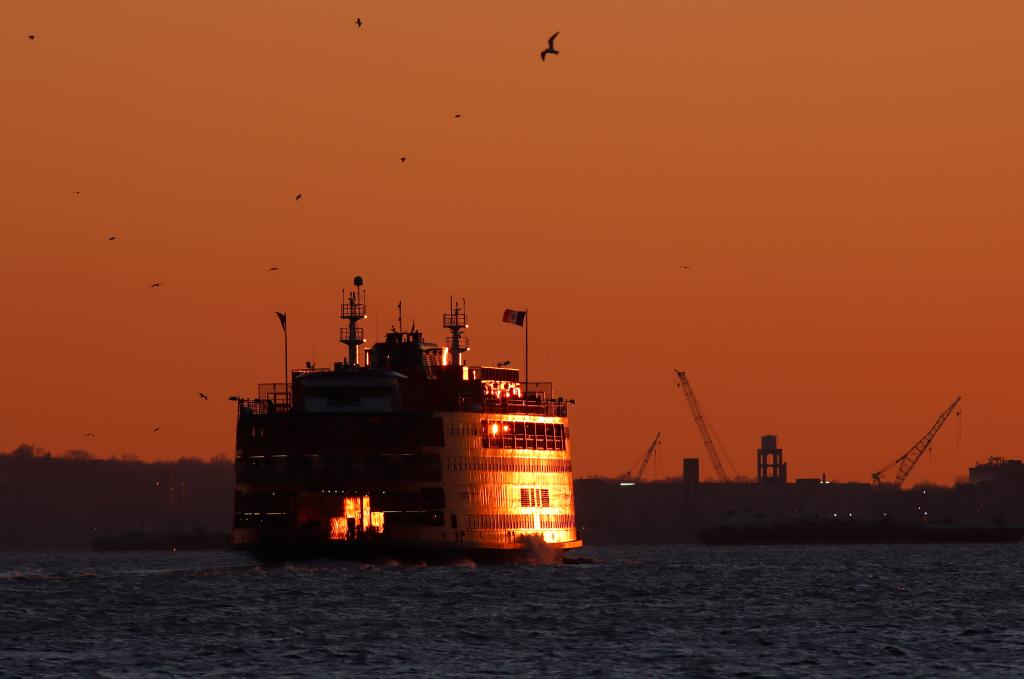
[844, 179]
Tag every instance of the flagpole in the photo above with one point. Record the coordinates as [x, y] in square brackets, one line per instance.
[283, 318]
[526, 332]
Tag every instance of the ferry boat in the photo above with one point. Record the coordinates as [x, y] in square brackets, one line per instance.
[404, 451]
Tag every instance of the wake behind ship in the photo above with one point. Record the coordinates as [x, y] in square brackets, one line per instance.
[407, 453]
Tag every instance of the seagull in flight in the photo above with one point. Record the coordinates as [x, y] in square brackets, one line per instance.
[31, 36]
[402, 159]
[111, 237]
[297, 197]
[77, 193]
[89, 434]
[273, 268]
[155, 285]
[458, 115]
[156, 429]
[359, 22]
[550, 49]
[203, 396]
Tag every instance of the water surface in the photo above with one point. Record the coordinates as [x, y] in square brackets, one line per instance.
[928, 610]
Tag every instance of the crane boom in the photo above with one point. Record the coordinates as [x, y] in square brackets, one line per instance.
[907, 461]
[646, 459]
[702, 425]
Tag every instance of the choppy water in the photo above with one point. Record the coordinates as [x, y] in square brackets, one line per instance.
[741, 611]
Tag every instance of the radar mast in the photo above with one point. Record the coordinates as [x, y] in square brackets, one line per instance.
[353, 309]
[455, 322]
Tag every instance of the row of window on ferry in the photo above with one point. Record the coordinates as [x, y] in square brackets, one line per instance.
[524, 435]
[518, 521]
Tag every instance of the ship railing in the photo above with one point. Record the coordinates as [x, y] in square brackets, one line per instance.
[462, 343]
[541, 390]
[257, 406]
[532, 406]
[278, 393]
[457, 319]
[353, 310]
[352, 335]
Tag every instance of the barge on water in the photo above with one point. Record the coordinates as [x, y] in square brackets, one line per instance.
[404, 452]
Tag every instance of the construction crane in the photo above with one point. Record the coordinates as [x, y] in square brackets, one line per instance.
[703, 427]
[907, 461]
[644, 460]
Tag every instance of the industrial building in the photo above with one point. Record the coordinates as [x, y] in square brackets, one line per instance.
[628, 510]
[672, 511]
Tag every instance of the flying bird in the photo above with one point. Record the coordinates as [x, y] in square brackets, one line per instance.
[203, 396]
[89, 434]
[155, 429]
[686, 266]
[155, 285]
[77, 193]
[111, 237]
[31, 36]
[359, 22]
[273, 268]
[458, 115]
[402, 159]
[550, 49]
[297, 197]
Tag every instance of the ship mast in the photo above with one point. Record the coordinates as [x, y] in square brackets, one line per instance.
[353, 309]
[455, 322]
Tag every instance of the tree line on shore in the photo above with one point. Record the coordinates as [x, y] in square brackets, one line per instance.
[69, 500]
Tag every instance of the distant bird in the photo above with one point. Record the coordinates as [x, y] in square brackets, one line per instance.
[550, 48]
[111, 237]
[155, 429]
[359, 22]
[89, 434]
[203, 396]
[273, 268]
[31, 36]
[686, 266]
[297, 197]
[155, 285]
[77, 193]
[458, 115]
[402, 159]
[502, 364]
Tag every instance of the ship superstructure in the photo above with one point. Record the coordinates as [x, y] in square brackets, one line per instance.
[403, 450]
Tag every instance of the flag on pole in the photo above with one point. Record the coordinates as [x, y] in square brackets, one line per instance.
[283, 317]
[513, 316]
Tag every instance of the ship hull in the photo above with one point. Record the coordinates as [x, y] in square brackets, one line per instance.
[444, 490]
[411, 553]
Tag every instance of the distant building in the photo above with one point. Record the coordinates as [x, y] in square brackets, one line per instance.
[770, 467]
[997, 470]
